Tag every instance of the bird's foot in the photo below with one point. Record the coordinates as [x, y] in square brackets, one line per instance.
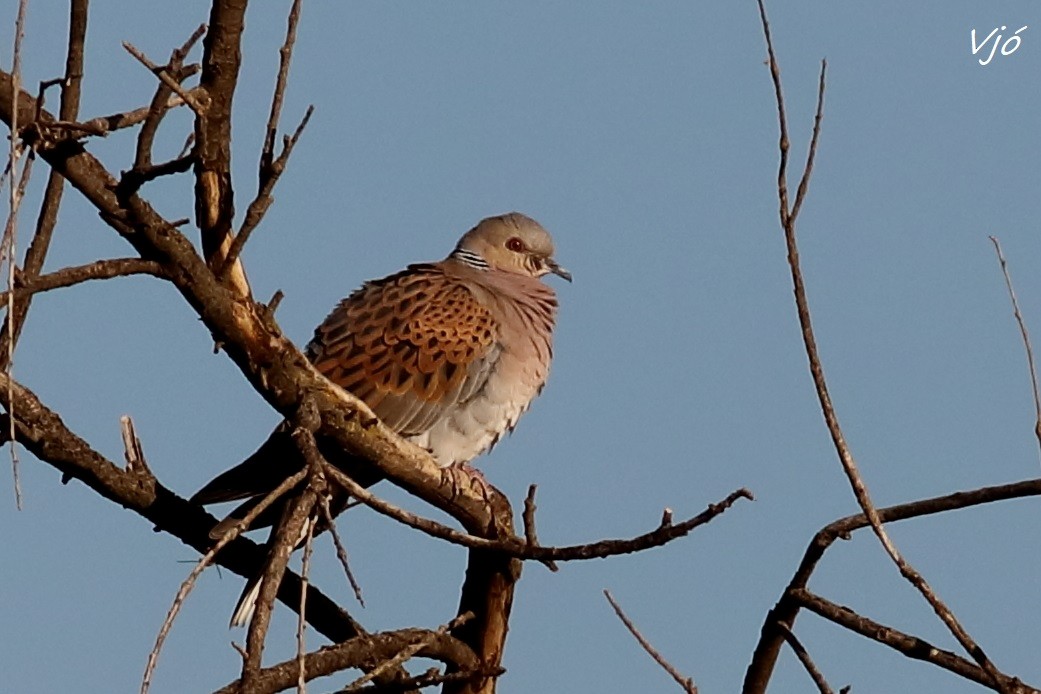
[464, 473]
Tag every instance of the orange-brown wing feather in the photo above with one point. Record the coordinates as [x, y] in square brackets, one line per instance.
[411, 346]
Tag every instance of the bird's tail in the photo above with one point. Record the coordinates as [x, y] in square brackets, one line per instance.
[248, 600]
[247, 603]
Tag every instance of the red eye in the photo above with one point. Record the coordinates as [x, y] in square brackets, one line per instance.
[515, 245]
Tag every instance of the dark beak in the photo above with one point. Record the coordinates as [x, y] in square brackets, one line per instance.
[557, 269]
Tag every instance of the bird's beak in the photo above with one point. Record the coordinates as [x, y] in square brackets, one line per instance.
[557, 269]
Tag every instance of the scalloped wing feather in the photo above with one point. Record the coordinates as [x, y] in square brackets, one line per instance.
[412, 346]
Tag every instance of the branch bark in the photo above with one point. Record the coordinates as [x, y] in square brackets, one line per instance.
[214, 198]
[783, 614]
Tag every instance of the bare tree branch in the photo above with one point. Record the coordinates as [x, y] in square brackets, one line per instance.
[530, 534]
[43, 433]
[843, 451]
[214, 196]
[1023, 332]
[103, 125]
[173, 84]
[807, 662]
[757, 676]
[158, 107]
[687, 683]
[341, 550]
[407, 653]
[910, 646]
[356, 653]
[189, 583]
[71, 276]
[258, 208]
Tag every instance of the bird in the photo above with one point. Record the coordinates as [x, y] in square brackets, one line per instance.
[448, 354]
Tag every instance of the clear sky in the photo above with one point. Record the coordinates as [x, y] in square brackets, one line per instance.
[643, 135]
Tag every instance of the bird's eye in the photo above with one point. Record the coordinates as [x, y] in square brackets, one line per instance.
[515, 245]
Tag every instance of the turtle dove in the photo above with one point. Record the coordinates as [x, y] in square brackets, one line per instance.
[448, 354]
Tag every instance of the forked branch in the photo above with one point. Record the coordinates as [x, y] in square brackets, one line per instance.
[788, 217]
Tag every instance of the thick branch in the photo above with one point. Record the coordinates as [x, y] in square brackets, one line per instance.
[359, 652]
[44, 434]
[214, 197]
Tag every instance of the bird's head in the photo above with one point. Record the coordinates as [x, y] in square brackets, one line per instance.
[512, 242]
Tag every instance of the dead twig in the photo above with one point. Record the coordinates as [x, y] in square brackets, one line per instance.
[407, 652]
[515, 547]
[431, 678]
[260, 204]
[910, 646]
[292, 528]
[285, 56]
[157, 109]
[189, 583]
[71, 276]
[103, 125]
[1023, 332]
[687, 683]
[192, 100]
[341, 550]
[301, 622]
[788, 218]
[771, 638]
[807, 662]
[528, 517]
[362, 650]
[7, 248]
[270, 168]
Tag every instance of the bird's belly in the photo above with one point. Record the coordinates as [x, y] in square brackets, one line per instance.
[472, 429]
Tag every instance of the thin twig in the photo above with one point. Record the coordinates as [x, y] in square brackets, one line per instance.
[157, 109]
[7, 254]
[845, 456]
[285, 537]
[16, 189]
[528, 517]
[103, 125]
[407, 653]
[301, 621]
[431, 678]
[341, 550]
[515, 547]
[285, 56]
[1022, 331]
[132, 180]
[77, 274]
[757, 676]
[365, 651]
[189, 98]
[807, 662]
[811, 153]
[260, 204]
[48, 215]
[686, 682]
[189, 583]
[910, 646]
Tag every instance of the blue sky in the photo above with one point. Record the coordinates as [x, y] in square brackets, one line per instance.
[643, 135]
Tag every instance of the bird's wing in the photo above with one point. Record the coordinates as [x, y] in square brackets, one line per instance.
[257, 474]
[412, 346]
